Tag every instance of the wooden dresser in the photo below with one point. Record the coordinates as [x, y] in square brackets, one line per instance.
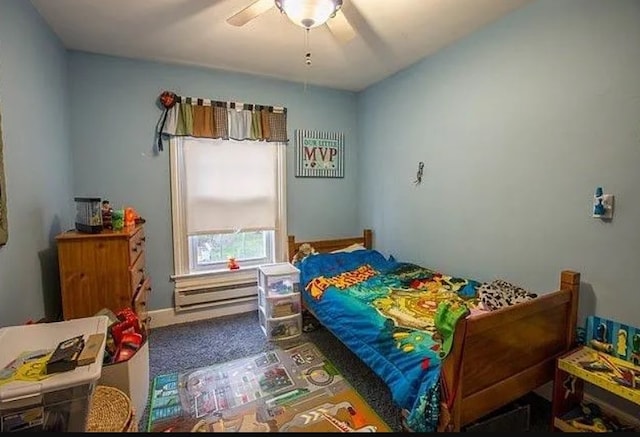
[105, 270]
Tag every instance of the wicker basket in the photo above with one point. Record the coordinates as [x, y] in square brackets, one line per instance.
[111, 411]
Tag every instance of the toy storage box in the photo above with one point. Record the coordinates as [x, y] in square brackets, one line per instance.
[275, 307]
[131, 377]
[278, 279]
[281, 328]
[60, 402]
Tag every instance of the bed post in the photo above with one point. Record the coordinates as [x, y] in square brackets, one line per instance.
[291, 242]
[570, 281]
[368, 239]
[451, 378]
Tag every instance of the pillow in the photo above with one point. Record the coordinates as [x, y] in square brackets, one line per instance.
[352, 248]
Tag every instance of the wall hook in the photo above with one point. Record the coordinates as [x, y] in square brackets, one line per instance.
[419, 173]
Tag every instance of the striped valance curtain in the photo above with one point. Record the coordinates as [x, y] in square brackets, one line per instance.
[204, 118]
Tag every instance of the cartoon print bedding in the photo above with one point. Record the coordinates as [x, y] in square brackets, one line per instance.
[399, 318]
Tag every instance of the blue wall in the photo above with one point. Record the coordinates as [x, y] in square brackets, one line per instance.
[37, 162]
[517, 124]
[114, 114]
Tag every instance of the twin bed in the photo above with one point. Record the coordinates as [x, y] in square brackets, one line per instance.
[447, 362]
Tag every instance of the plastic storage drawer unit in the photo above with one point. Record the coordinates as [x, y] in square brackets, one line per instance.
[279, 304]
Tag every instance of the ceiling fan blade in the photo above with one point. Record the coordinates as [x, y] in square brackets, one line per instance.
[250, 12]
[341, 29]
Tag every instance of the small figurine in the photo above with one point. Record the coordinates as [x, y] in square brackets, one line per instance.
[232, 264]
[129, 217]
[106, 215]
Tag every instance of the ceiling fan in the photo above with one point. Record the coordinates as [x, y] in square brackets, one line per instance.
[304, 13]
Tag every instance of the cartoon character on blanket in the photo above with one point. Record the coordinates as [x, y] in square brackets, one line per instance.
[413, 297]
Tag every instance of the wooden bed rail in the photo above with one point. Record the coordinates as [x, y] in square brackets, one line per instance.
[323, 246]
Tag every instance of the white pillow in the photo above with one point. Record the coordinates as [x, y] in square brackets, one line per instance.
[353, 247]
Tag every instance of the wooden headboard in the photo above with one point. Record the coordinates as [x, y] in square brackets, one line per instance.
[329, 245]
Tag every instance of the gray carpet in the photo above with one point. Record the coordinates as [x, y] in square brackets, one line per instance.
[203, 343]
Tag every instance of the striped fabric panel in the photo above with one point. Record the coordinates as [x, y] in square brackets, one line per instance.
[277, 127]
[220, 123]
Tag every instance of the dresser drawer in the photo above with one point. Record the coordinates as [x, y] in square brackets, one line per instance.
[139, 303]
[137, 272]
[136, 244]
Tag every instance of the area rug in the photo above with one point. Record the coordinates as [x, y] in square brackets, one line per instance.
[283, 390]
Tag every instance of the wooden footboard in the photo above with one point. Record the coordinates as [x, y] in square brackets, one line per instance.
[502, 355]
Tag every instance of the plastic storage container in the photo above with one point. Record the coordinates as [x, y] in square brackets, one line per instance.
[282, 328]
[276, 306]
[279, 304]
[279, 279]
[59, 402]
[88, 214]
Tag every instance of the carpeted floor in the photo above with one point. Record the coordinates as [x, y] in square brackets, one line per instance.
[197, 344]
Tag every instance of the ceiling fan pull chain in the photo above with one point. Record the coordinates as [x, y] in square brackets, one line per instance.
[307, 56]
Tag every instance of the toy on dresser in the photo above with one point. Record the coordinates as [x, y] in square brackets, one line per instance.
[107, 212]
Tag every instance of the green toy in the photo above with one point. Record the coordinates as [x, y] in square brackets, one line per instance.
[445, 320]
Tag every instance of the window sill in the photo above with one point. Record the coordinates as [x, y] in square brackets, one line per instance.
[199, 280]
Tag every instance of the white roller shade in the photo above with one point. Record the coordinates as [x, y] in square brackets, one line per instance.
[229, 185]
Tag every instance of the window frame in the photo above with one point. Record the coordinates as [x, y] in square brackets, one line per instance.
[182, 274]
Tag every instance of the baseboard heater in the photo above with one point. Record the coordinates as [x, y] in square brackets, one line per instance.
[227, 294]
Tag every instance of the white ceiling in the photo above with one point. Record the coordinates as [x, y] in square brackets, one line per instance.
[391, 35]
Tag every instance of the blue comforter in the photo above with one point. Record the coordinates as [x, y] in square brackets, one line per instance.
[389, 314]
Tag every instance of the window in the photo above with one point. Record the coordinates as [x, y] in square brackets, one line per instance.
[211, 251]
[228, 200]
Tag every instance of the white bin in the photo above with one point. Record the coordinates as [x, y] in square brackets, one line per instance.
[61, 401]
[279, 279]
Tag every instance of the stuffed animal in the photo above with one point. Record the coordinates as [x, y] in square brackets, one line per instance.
[304, 251]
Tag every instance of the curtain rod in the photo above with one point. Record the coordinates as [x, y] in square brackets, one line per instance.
[232, 105]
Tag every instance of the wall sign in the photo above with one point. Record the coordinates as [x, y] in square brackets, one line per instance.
[319, 154]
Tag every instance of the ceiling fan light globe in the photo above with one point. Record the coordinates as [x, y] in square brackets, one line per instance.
[309, 13]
